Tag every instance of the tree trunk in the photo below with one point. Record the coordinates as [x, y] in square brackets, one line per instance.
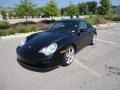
[26, 20]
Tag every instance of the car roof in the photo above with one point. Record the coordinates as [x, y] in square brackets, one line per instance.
[74, 20]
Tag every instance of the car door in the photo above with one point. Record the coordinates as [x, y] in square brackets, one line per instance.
[83, 37]
[92, 31]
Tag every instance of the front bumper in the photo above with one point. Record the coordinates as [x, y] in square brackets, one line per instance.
[38, 61]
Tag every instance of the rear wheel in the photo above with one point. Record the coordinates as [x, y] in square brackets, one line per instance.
[69, 55]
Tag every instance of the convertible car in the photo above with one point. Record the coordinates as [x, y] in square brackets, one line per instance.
[57, 45]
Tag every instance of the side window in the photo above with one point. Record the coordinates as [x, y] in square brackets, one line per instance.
[89, 25]
[83, 25]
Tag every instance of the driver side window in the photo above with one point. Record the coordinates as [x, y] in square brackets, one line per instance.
[83, 25]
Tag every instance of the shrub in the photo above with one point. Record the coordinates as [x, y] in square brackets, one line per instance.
[32, 28]
[11, 31]
[116, 18]
[22, 30]
[7, 32]
[92, 19]
[3, 33]
[4, 14]
[108, 17]
[19, 29]
[4, 25]
[27, 28]
[112, 17]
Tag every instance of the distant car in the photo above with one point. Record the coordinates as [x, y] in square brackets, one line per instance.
[57, 45]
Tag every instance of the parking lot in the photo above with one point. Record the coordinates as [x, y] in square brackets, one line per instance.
[95, 67]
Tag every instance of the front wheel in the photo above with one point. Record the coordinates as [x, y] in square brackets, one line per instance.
[94, 39]
[69, 56]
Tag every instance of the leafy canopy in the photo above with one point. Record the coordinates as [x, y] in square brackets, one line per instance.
[51, 9]
[4, 14]
[70, 10]
[25, 8]
[105, 6]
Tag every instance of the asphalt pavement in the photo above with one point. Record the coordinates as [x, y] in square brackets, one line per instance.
[94, 68]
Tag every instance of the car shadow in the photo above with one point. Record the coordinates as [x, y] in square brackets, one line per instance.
[41, 69]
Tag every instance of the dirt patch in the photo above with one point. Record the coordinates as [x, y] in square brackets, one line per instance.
[42, 24]
[103, 21]
[113, 69]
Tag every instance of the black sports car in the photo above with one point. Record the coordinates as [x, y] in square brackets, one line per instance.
[57, 45]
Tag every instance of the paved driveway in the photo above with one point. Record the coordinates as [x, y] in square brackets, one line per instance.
[95, 67]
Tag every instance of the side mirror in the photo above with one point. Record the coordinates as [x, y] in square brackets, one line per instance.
[83, 30]
[78, 31]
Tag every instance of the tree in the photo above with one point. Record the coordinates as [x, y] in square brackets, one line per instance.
[39, 12]
[25, 8]
[87, 8]
[92, 6]
[82, 8]
[71, 10]
[51, 9]
[99, 10]
[106, 7]
[62, 11]
[4, 14]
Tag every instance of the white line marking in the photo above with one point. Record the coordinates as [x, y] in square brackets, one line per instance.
[106, 41]
[88, 68]
[110, 32]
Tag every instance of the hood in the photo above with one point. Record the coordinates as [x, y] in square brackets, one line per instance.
[43, 39]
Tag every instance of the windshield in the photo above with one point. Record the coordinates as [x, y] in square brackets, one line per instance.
[63, 26]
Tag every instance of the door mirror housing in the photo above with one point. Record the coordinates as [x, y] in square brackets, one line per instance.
[83, 30]
[78, 31]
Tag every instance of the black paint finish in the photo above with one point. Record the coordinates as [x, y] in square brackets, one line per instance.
[69, 35]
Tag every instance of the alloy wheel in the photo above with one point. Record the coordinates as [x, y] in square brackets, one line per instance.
[69, 55]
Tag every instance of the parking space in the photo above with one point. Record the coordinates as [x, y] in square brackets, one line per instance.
[95, 67]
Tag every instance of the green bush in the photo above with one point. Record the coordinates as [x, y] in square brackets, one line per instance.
[32, 28]
[3, 33]
[28, 28]
[4, 25]
[112, 17]
[11, 31]
[117, 18]
[7, 32]
[22, 30]
[19, 29]
[108, 17]
[92, 19]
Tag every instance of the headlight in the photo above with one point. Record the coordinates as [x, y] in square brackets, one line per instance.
[23, 42]
[49, 50]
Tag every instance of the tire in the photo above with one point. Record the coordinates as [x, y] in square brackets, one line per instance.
[69, 55]
[94, 39]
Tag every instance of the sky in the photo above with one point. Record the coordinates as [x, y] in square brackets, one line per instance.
[60, 3]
